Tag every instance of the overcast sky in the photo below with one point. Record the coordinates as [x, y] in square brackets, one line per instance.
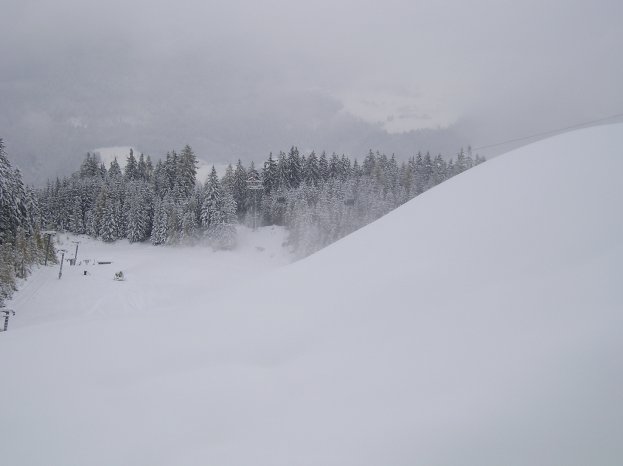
[239, 78]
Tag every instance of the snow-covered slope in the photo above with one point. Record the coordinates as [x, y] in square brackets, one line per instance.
[479, 324]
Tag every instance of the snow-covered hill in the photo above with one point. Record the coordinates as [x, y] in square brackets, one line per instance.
[479, 324]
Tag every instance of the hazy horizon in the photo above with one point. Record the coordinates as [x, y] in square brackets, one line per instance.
[241, 79]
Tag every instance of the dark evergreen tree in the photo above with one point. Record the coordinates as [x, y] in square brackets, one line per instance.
[323, 167]
[115, 170]
[240, 190]
[108, 226]
[312, 170]
[440, 168]
[90, 166]
[283, 174]
[228, 179]
[294, 170]
[334, 166]
[270, 175]
[186, 172]
[369, 163]
[131, 167]
[141, 168]
[149, 169]
[159, 233]
[211, 200]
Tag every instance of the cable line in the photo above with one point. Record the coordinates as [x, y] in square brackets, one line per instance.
[547, 133]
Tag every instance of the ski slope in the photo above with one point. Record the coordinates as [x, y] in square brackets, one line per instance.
[479, 324]
[157, 278]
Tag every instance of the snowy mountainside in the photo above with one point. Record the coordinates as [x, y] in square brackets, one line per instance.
[478, 324]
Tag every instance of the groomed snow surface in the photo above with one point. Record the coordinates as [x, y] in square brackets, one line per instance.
[479, 324]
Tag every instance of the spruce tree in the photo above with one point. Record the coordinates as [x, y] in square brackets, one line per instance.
[369, 163]
[270, 175]
[115, 170]
[211, 201]
[108, 228]
[131, 167]
[227, 183]
[240, 189]
[312, 170]
[186, 172]
[283, 174]
[323, 167]
[294, 168]
[141, 168]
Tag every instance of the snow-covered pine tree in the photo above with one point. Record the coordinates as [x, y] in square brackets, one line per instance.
[188, 225]
[108, 226]
[283, 175]
[141, 168]
[227, 182]
[357, 171]
[139, 211]
[240, 191]
[312, 170]
[149, 169]
[461, 162]
[170, 171]
[270, 175]
[211, 201]
[131, 167]
[186, 172]
[323, 167]
[174, 212]
[90, 166]
[369, 163]
[440, 168]
[159, 233]
[115, 170]
[190, 219]
[90, 223]
[334, 166]
[294, 168]
[76, 223]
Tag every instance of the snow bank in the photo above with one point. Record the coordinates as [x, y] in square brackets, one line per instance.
[479, 324]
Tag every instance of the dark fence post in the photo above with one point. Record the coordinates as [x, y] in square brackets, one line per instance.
[7, 313]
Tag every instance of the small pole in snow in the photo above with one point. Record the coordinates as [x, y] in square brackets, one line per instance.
[76, 255]
[7, 313]
[60, 271]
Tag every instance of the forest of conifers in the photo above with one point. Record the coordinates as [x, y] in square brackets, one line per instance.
[319, 199]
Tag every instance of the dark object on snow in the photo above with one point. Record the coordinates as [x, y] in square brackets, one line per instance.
[86, 273]
[7, 313]
[104, 262]
[119, 276]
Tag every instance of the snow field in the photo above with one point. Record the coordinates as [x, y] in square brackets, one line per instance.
[157, 278]
[479, 324]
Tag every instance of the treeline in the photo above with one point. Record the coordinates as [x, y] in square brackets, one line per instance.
[318, 198]
[21, 242]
